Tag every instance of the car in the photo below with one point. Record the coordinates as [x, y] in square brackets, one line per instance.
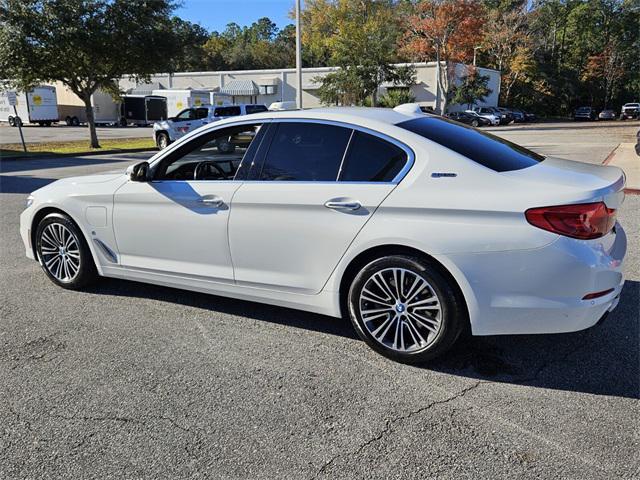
[638, 143]
[489, 113]
[518, 115]
[415, 227]
[507, 115]
[279, 106]
[468, 118]
[584, 113]
[168, 131]
[607, 114]
[530, 117]
[630, 110]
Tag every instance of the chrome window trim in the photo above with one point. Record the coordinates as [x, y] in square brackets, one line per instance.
[397, 179]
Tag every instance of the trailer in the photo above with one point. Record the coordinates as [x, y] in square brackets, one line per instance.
[106, 108]
[143, 110]
[178, 100]
[38, 106]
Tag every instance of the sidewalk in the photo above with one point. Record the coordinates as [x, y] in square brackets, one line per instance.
[624, 157]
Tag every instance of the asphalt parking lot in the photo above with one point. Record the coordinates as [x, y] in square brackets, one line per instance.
[137, 381]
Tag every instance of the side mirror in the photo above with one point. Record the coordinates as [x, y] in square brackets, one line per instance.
[139, 172]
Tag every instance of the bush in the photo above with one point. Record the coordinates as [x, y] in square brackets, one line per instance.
[393, 98]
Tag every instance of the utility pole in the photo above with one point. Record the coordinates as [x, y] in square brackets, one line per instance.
[298, 56]
[475, 49]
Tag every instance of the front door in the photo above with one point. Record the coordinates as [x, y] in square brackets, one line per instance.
[176, 223]
[316, 187]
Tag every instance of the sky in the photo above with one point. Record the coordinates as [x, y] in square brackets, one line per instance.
[216, 14]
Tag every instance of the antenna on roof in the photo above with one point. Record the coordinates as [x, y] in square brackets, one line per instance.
[408, 108]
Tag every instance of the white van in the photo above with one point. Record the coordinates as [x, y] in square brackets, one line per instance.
[39, 105]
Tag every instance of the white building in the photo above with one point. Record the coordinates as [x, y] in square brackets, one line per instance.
[278, 85]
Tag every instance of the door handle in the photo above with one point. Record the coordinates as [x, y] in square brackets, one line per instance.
[211, 201]
[352, 205]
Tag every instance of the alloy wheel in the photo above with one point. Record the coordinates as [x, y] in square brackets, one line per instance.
[400, 310]
[60, 252]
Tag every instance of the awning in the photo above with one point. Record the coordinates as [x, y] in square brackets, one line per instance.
[240, 87]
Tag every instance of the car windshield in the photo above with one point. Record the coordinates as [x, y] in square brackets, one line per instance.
[493, 152]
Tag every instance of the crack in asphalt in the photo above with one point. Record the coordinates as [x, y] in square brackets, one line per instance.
[391, 421]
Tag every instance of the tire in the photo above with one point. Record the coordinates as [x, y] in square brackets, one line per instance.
[17, 121]
[12, 122]
[67, 120]
[122, 123]
[162, 140]
[63, 252]
[446, 315]
[75, 122]
[475, 123]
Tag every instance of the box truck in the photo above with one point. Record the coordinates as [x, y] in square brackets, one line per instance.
[39, 105]
[106, 109]
[143, 110]
[178, 100]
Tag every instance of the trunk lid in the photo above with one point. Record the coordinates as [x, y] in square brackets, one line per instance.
[556, 181]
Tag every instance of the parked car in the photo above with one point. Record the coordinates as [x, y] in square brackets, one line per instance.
[584, 113]
[507, 115]
[630, 110]
[489, 113]
[607, 115]
[472, 119]
[518, 115]
[638, 143]
[415, 227]
[530, 117]
[168, 131]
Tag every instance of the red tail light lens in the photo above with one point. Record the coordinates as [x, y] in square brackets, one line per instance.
[585, 221]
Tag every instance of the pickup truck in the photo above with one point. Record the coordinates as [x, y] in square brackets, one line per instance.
[630, 110]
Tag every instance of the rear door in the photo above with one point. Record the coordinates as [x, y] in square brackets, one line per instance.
[312, 188]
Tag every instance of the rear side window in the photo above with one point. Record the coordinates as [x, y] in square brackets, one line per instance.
[305, 152]
[202, 112]
[226, 111]
[481, 147]
[372, 159]
[255, 109]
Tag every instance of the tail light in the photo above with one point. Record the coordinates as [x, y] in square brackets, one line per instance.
[584, 221]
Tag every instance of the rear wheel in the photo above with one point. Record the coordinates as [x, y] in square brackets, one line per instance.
[17, 122]
[63, 252]
[405, 309]
[475, 123]
[75, 121]
[12, 122]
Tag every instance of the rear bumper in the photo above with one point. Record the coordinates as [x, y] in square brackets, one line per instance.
[542, 290]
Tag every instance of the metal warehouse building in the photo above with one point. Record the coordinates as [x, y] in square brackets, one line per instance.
[278, 85]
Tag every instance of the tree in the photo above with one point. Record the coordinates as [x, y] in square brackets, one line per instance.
[360, 37]
[471, 89]
[605, 69]
[191, 39]
[445, 31]
[85, 44]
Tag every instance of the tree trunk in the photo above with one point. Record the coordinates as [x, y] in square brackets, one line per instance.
[443, 82]
[86, 98]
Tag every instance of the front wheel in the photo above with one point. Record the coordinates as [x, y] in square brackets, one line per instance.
[405, 308]
[63, 252]
[475, 123]
[162, 140]
[12, 122]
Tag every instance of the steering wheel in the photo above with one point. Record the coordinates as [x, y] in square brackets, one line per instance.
[208, 164]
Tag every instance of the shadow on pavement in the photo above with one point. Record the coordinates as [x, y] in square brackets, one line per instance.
[603, 360]
[28, 164]
[19, 184]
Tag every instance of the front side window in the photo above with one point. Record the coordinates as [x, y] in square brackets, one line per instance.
[372, 159]
[187, 114]
[481, 147]
[214, 156]
[305, 152]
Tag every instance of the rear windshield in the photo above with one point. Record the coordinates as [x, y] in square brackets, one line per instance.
[493, 152]
[255, 109]
[226, 111]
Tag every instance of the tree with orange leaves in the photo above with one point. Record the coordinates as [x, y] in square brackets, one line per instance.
[445, 31]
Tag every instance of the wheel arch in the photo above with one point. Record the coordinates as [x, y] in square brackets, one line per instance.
[447, 269]
[41, 214]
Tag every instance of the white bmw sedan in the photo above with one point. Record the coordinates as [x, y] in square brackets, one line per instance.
[415, 227]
